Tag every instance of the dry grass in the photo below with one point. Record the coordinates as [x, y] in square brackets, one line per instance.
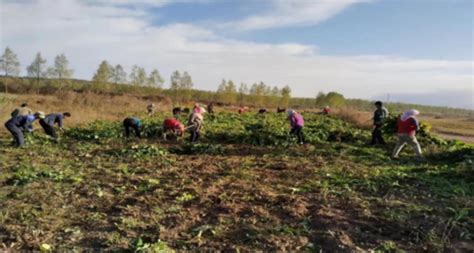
[85, 107]
[453, 126]
[358, 118]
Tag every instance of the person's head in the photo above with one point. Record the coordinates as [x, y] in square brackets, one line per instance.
[290, 112]
[40, 115]
[410, 114]
[24, 105]
[67, 114]
[378, 104]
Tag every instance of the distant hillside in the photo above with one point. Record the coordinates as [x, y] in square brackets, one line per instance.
[25, 85]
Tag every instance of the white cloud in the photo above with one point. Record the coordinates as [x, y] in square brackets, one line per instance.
[292, 13]
[87, 34]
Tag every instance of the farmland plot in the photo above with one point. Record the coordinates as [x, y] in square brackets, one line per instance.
[246, 186]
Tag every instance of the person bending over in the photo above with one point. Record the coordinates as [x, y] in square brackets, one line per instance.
[132, 123]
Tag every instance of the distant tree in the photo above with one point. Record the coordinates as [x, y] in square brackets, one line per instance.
[61, 67]
[320, 99]
[335, 99]
[37, 69]
[186, 81]
[104, 73]
[275, 92]
[227, 92]
[258, 93]
[138, 76]
[9, 63]
[186, 86]
[119, 75]
[175, 84]
[50, 72]
[231, 91]
[155, 79]
[285, 96]
[243, 91]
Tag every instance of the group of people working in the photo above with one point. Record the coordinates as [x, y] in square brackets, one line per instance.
[407, 126]
[23, 117]
[171, 125]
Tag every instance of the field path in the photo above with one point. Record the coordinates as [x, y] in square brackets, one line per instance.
[465, 139]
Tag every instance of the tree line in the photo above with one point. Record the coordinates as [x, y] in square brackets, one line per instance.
[114, 79]
[181, 84]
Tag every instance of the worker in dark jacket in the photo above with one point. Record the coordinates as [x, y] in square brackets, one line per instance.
[18, 124]
[380, 114]
[50, 120]
[132, 123]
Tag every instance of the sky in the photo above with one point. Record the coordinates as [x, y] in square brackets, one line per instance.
[417, 51]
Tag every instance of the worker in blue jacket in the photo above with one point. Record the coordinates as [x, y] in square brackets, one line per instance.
[132, 123]
[20, 123]
[50, 120]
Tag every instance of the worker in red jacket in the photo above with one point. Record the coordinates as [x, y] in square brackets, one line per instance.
[172, 126]
[407, 126]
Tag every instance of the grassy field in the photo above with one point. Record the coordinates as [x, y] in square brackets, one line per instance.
[244, 187]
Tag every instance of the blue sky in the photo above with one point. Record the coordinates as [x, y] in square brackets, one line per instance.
[363, 49]
[438, 29]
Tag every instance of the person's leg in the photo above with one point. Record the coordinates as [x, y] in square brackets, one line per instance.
[300, 135]
[400, 144]
[378, 135]
[191, 138]
[381, 139]
[416, 146]
[374, 137]
[126, 125]
[198, 134]
[137, 131]
[16, 133]
[48, 129]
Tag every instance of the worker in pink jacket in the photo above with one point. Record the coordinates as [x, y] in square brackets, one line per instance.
[407, 126]
[297, 124]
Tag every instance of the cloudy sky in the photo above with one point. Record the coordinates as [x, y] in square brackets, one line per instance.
[414, 50]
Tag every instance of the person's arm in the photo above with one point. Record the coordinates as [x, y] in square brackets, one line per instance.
[60, 121]
[293, 120]
[416, 124]
[28, 125]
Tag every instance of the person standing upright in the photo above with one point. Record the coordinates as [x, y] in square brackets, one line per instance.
[407, 126]
[380, 115]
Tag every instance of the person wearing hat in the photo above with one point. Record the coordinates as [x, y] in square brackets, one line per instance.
[47, 122]
[407, 126]
[198, 109]
[18, 124]
[151, 109]
[326, 110]
[23, 110]
[297, 124]
[132, 123]
[195, 122]
[380, 114]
